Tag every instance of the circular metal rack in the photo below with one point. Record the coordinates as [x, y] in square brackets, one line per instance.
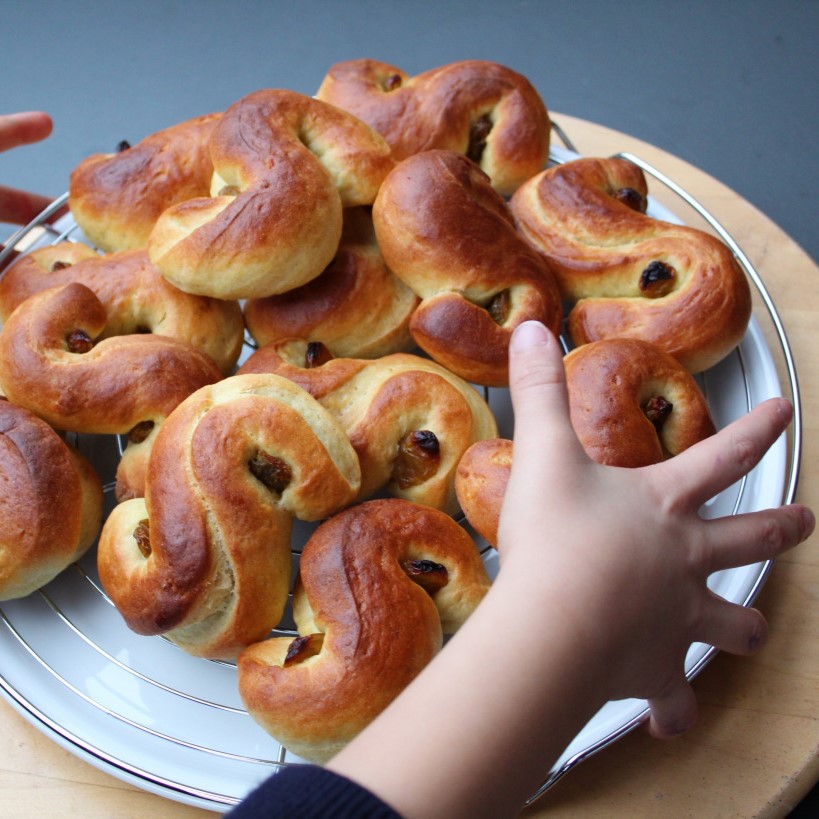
[143, 710]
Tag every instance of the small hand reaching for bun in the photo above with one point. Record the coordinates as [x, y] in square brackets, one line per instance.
[601, 590]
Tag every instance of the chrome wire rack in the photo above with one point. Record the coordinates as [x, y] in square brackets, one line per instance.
[143, 710]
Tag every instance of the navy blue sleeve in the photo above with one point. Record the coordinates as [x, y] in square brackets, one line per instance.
[311, 792]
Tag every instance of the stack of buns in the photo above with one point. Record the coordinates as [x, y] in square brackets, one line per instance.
[377, 245]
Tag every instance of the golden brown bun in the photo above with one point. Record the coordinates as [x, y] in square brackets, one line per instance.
[374, 627]
[631, 275]
[477, 108]
[357, 308]
[204, 558]
[50, 503]
[631, 404]
[51, 364]
[284, 167]
[117, 198]
[617, 386]
[480, 485]
[408, 418]
[136, 298]
[444, 231]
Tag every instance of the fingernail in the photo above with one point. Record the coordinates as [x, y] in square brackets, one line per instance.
[756, 639]
[530, 334]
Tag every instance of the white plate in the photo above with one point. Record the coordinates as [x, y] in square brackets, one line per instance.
[141, 709]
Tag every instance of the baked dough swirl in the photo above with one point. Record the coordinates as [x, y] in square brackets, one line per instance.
[204, 557]
[116, 198]
[137, 299]
[409, 419]
[378, 586]
[628, 274]
[447, 234]
[357, 307]
[481, 109]
[285, 166]
[50, 503]
[51, 363]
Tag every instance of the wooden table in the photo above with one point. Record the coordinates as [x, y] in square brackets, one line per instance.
[755, 750]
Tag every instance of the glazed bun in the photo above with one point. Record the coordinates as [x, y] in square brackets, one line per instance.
[50, 503]
[357, 307]
[285, 167]
[379, 585]
[628, 274]
[204, 557]
[450, 237]
[480, 109]
[116, 198]
[52, 364]
[137, 299]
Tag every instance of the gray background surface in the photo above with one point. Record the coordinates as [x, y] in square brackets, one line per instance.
[728, 85]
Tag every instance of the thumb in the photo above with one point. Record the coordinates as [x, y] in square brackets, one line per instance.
[537, 383]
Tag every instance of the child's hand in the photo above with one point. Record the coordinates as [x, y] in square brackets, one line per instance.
[622, 554]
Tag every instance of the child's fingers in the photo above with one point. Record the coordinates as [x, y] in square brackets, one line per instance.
[20, 207]
[712, 465]
[731, 627]
[740, 540]
[537, 382]
[23, 128]
[674, 710]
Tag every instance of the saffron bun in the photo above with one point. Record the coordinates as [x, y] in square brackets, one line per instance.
[137, 299]
[631, 405]
[379, 584]
[204, 557]
[477, 108]
[409, 419]
[628, 274]
[449, 236]
[50, 503]
[285, 166]
[480, 485]
[52, 364]
[357, 307]
[116, 198]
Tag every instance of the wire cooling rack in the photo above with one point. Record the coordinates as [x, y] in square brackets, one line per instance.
[146, 712]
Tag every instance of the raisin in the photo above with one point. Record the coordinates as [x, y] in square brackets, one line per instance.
[657, 280]
[142, 535]
[499, 307]
[316, 355]
[478, 133]
[140, 432]
[273, 472]
[419, 453]
[302, 648]
[59, 265]
[392, 82]
[430, 576]
[657, 410]
[632, 199]
[123, 145]
[78, 341]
